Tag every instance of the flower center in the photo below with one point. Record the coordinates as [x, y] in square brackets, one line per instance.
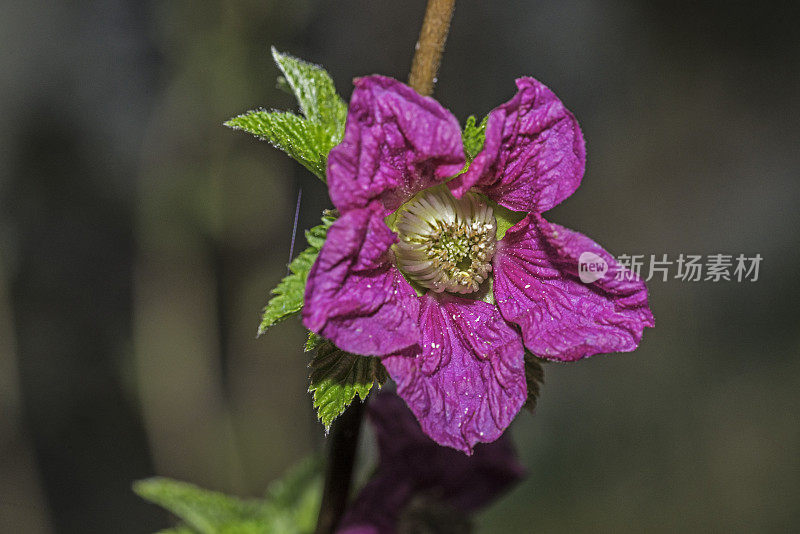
[446, 243]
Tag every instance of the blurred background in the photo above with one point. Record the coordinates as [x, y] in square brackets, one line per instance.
[139, 239]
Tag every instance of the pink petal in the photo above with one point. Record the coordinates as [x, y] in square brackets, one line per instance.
[537, 286]
[467, 382]
[396, 143]
[534, 154]
[354, 295]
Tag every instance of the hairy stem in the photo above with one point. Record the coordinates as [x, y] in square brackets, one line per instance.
[339, 471]
[344, 434]
[430, 45]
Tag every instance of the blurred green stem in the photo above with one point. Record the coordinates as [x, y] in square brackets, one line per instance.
[23, 506]
[344, 435]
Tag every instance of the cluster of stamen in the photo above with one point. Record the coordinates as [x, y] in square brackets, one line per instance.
[446, 243]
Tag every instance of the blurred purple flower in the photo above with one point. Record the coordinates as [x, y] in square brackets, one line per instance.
[413, 467]
[436, 296]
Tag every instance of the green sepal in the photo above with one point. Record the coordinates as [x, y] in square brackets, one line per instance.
[505, 218]
[473, 136]
[290, 292]
[338, 376]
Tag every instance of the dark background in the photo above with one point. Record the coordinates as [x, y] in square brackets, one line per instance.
[139, 239]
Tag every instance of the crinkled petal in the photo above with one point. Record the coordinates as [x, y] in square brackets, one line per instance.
[413, 464]
[467, 381]
[354, 295]
[534, 154]
[396, 143]
[537, 286]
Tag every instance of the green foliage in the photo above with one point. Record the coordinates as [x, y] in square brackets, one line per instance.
[307, 138]
[534, 378]
[288, 295]
[473, 136]
[204, 511]
[294, 500]
[314, 90]
[338, 376]
[306, 141]
[290, 507]
[313, 341]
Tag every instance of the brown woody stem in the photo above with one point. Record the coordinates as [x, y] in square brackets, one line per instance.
[430, 45]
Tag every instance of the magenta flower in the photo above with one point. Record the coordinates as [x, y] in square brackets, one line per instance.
[413, 469]
[413, 271]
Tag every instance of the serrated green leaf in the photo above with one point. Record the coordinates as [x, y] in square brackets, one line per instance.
[337, 377]
[534, 378]
[207, 512]
[473, 136]
[313, 342]
[307, 138]
[315, 91]
[306, 141]
[317, 234]
[289, 293]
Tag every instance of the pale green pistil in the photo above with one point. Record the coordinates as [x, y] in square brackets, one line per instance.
[446, 244]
